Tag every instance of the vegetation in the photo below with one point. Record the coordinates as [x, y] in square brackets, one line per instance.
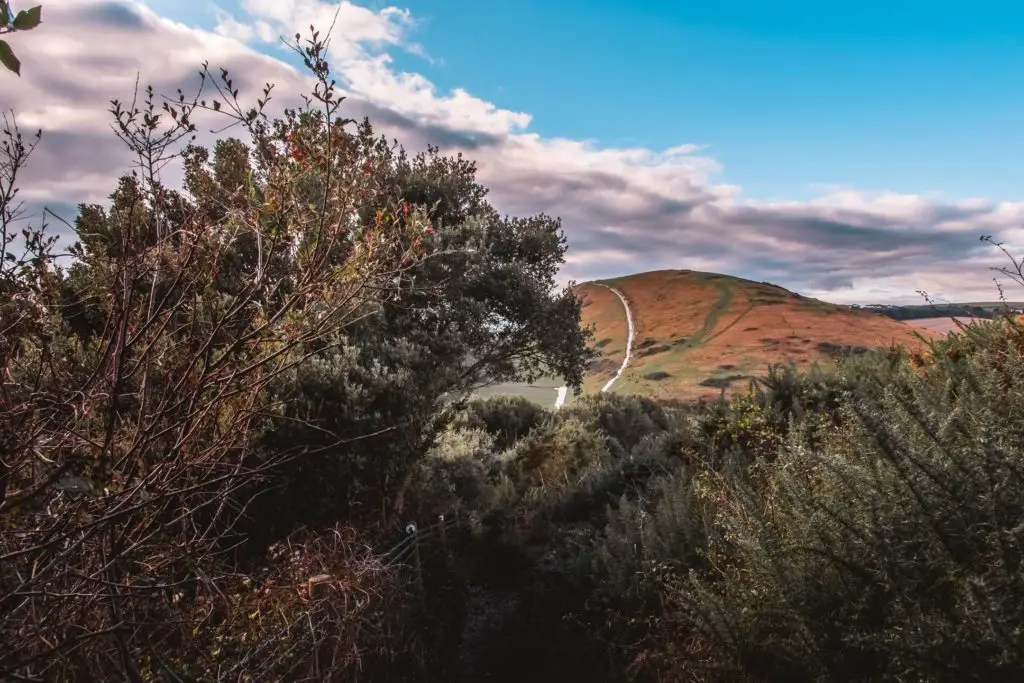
[985, 311]
[229, 388]
[238, 445]
[25, 20]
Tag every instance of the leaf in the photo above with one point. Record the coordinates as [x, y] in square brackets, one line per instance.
[28, 19]
[5, 13]
[8, 59]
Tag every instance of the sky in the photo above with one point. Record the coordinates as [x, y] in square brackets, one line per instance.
[854, 152]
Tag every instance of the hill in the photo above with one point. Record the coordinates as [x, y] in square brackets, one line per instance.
[925, 311]
[697, 333]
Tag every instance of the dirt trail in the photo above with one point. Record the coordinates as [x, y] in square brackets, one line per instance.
[563, 391]
[560, 399]
[487, 611]
[629, 337]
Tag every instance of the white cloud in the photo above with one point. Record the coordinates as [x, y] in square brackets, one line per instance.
[624, 209]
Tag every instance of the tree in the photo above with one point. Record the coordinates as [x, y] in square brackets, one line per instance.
[481, 307]
[291, 325]
[135, 387]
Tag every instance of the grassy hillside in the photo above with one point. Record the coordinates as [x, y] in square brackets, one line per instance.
[698, 333]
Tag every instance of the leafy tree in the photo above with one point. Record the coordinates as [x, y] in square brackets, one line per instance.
[276, 345]
[481, 307]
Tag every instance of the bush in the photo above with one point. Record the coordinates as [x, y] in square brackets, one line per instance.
[273, 349]
[457, 476]
[506, 418]
[553, 455]
[625, 420]
[893, 550]
[328, 609]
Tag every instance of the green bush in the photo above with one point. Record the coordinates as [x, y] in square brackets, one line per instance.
[893, 550]
[625, 420]
[457, 476]
[506, 418]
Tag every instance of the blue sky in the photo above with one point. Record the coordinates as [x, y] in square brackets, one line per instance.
[919, 96]
[849, 151]
[787, 95]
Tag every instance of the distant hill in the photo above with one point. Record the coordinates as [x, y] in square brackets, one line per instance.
[980, 309]
[698, 333]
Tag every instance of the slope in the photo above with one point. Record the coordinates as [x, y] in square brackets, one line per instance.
[698, 333]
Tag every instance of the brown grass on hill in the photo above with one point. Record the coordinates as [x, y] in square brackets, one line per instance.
[697, 333]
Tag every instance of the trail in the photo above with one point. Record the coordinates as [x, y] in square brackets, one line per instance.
[560, 399]
[629, 338]
[701, 336]
[562, 391]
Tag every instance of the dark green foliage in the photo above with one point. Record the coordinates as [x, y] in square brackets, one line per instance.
[626, 420]
[916, 312]
[459, 476]
[506, 418]
[890, 550]
[853, 524]
[721, 382]
[653, 350]
[237, 389]
[482, 308]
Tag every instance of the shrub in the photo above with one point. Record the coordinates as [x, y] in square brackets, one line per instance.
[328, 609]
[625, 420]
[892, 551]
[132, 454]
[554, 454]
[506, 418]
[273, 348]
[456, 476]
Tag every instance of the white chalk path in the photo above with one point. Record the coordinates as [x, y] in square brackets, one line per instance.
[629, 338]
[563, 391]
[560, 399]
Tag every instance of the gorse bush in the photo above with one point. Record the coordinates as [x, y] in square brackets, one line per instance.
[506, 418]
[868, 531]
[268, 352]
[458, 474]
[892, 551]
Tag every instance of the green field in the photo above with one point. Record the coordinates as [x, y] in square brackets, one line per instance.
[543, 391]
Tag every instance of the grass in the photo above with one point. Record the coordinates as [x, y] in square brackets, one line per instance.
[689, 323]
[697, 333]
[542, 392]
